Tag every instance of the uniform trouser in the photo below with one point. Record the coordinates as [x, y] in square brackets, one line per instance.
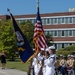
[44, 70]
[63, 70]
[50, 71]
[74, 70]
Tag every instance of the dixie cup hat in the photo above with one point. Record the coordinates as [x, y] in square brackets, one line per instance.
[50, 48]
[42, 49]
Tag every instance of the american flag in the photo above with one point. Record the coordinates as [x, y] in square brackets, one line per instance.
[39, 37]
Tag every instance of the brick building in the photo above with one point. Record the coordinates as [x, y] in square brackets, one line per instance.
[60, 25]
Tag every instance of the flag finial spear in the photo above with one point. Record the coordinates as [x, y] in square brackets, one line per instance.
[8, 10]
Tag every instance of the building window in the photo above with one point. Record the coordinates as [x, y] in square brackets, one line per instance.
[65, 44]
[70, 43]
[73, 44]
[66, 20]
[66, 33]
[55, 33]
[59, 46]
[51, 20]
[48, 20]
[59, 33]
[52, 33]
[45, 32]
[63, 20]
[55, 44]
[70, 20]
[33, 21]
[55, 20]
[49, 32]
[73, 20]
[62, 45]
[62, 33]
[73, 32]
[70, 32]
[44, 21]
[18, 21]
[59, 20]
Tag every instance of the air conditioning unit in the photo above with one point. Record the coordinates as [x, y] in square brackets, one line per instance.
[71, 9]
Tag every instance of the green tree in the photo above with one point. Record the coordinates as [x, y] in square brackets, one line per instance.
[67, 50]
[49, 39]
[7, 39]
[28, 30]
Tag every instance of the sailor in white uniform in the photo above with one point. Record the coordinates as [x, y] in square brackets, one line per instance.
[41, 59]
[36, 64]
[37, 61]
[45, 60]
[50, 69]
[40, 55]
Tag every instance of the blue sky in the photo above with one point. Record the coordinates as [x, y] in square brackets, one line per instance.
[19, 7]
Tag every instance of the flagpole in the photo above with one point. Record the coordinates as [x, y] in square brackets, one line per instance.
[37, 3]
[37, 6]
[37, 9]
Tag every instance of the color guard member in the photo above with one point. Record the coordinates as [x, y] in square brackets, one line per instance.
[50, 69]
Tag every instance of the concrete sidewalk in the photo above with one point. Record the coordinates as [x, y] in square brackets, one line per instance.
[11, 72]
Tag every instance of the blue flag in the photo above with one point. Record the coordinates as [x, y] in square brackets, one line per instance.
[25, 51]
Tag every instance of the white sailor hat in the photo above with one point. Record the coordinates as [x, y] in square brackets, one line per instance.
[52, 47]
[62, 55]
[47, 49]
[42, 49]
[69, 55]
[72, 55]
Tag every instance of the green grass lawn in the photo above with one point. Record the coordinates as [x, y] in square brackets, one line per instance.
[17, 65]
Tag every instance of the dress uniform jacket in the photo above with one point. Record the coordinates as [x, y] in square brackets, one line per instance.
[44, 66]
[36, 65]
[50, 69]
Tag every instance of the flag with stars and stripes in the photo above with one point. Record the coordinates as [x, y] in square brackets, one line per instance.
[39, 37]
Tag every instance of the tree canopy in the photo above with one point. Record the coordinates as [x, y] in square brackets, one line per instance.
[8, 38]
[67, 50]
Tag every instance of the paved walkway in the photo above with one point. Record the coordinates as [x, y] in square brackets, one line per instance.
[11, 72]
